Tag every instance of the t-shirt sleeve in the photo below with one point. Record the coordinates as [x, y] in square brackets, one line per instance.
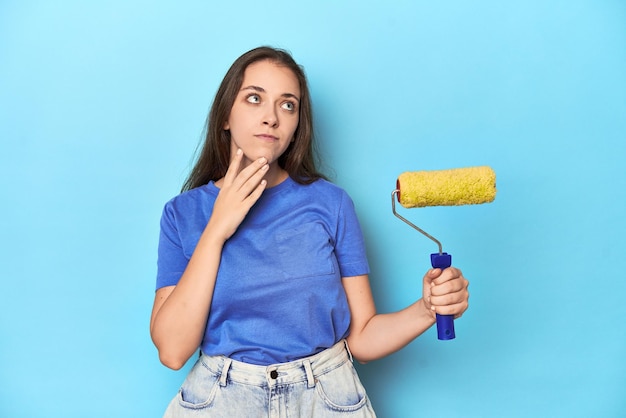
[350, 245]
[171, 262]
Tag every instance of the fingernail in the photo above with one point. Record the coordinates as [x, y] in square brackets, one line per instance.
[239, 151]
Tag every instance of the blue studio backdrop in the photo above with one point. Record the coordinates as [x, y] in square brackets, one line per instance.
[102, 105]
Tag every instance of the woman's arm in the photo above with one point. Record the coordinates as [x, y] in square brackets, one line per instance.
[180, 313]
[373, 335]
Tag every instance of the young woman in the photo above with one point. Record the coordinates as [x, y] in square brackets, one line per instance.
[262, 265]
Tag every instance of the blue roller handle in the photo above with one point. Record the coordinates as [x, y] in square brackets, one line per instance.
[445, 323]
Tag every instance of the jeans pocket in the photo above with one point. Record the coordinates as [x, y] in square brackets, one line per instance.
[199, 388]
[341, 389]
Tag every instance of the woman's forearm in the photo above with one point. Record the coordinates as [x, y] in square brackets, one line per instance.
[387, 333]
[179, 319]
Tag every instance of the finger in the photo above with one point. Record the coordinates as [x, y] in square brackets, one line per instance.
[449, 298]
[448, 274]
[245, 173]
[434, 272]
[233, 167]
[451, 286]
[250, 177]
[456, 309]
[431, 275]
[256, 193]
[251, 190]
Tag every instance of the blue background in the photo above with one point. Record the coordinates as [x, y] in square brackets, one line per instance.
[102, 105]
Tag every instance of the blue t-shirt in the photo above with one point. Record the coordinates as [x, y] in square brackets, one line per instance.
[278, 295]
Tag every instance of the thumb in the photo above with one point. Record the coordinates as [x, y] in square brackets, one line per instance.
[428, 280]
[431, 275]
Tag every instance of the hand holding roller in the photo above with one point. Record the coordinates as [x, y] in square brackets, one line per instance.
[461, 186]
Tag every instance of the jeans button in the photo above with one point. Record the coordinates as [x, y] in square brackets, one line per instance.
[273, 374]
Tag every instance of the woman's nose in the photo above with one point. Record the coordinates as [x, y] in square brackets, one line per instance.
[270, 117]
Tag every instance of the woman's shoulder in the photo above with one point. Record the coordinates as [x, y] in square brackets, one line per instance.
[322, 184]
[195, 197]
[328, 190]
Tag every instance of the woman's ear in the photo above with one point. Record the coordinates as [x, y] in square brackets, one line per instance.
[226, 126]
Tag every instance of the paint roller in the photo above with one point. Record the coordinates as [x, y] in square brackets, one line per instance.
[455, 187]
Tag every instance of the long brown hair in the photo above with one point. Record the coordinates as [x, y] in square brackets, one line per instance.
[299, 160]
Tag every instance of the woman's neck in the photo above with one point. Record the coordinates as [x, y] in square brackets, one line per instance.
[274, 177]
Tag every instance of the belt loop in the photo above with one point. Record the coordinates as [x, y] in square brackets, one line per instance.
[309, 373]
[348, 349]
[227, 363]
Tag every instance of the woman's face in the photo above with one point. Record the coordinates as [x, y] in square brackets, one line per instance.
[265, 114]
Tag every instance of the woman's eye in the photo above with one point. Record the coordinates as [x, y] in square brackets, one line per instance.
[289, 106]
[253, 98]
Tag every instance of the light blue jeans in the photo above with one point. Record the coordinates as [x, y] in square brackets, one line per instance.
[325, 385]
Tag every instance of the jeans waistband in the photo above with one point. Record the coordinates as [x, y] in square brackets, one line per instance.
[301, 370]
